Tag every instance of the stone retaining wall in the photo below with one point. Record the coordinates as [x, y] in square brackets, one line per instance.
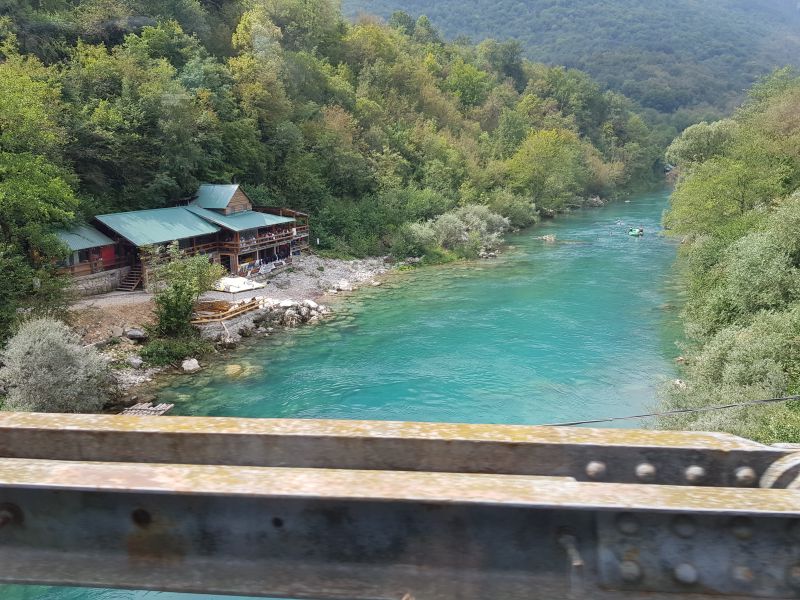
[99, 283]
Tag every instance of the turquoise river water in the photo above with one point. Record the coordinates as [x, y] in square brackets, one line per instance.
[584, 328]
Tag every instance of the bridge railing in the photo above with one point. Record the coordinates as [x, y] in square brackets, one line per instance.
[352, 510]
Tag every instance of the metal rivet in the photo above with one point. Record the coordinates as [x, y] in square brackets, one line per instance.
[695, 474]
[141, 518]
[743, 574]
[10, 514]
[793, 576]
[684, 526]
[596, 470]
[742, 528]
[645, 472]
[685, 574]
[745, 476]
[630, 571]
[628, 524]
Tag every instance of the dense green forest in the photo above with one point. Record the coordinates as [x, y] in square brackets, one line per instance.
[737, 204]
[692, 58]
[376, 130]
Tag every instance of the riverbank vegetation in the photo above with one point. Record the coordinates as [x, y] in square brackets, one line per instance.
[738, 206]
[369, 127]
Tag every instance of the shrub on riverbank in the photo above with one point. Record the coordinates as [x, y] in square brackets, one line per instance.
[741, 262]
[47, 369]
[171, 351]
[461, 233]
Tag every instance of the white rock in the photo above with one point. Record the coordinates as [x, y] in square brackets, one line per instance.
[288, 304]
[190, 365]
[344, 286]
[310, 304]
[135, 361]
[136, 334]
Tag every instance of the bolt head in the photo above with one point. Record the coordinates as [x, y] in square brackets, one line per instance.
[745, 476]
[628, 524]
[695, 474]
[596, 470]
[630, 571]
[793, 576]
[686, 574]
[645, 472]
[742, 528]
[742, 574]
[684, 526]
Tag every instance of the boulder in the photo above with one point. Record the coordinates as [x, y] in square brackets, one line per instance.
[344, 286]
[135, 361]
[117, 332]
[136, 334]
[291, 319]
[233, 370]
[288, 304]
[190, 365]
[304, 312]
[229, 341]
[310, 304]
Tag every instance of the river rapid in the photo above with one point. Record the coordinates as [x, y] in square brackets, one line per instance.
[579, 329]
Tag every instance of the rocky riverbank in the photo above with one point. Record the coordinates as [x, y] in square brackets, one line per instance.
[115, 323]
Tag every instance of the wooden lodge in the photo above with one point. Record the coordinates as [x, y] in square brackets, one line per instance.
[220, 222]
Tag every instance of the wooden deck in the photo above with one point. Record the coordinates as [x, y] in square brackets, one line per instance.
[216, 312]
[148, 409]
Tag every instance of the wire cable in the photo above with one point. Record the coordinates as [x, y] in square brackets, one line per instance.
[678, 411]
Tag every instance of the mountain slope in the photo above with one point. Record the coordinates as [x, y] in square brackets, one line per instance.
[687, 54]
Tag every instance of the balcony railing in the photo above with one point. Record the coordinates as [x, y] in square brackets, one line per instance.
[94, 266]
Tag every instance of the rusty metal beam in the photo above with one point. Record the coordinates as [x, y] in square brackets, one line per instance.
[344, 534]
[621, 456]
[361, 510]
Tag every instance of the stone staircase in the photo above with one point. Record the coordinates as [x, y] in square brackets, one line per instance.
[131, 280]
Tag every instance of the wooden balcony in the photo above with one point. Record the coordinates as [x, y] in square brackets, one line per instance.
[262, 242]
[92, 267]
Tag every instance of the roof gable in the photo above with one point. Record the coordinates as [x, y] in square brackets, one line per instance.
[83, 237]
[157, 226]
[215, 196]
[241, 221]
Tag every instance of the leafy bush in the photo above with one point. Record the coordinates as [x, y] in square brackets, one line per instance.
[761, 360]
[519, 210]
[179, 281]
[462, 232]
[163, 352]
[47, 369]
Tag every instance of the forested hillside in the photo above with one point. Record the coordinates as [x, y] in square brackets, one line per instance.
[372, 129]
[737, 206]
[691, 56]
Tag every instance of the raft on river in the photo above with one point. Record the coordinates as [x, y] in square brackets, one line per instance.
[636, 232]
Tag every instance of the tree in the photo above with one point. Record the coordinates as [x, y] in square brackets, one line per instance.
[549, 168]
[468, 83]
[48, 369]
[701, 142]
[179, 282]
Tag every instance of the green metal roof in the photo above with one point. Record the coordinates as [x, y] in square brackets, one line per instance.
[143, 227]
[241, 221]
[82, 237]
[215, 196]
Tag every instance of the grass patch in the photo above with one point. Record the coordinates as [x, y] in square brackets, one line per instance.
[169, 351]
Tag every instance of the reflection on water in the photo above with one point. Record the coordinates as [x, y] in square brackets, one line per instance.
[547, 333]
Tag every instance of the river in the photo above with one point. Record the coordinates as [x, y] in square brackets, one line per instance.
[584, 328]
